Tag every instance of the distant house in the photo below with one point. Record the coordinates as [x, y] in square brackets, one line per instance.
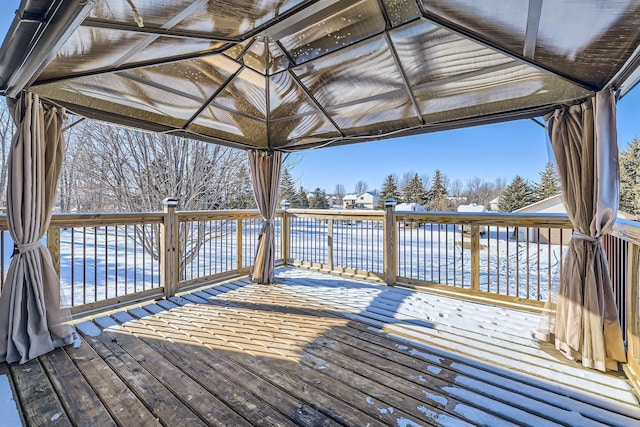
[553, 204]
[410, 207]
[349, 201]
[457, 200]
[472, 208]
[367, 200]
[493, 204]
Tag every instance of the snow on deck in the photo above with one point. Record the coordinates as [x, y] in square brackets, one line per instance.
[493, 348]
[316, 349]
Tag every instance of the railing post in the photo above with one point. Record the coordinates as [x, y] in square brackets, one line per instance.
[330, 243]
[475, 257]
[389, 253]
[632, 298]
[53, 244]
[169, 248]
[239, 244]
[284, 240]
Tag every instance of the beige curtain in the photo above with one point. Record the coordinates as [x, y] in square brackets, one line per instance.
[31, 320]
[584, 141]
[264, 168]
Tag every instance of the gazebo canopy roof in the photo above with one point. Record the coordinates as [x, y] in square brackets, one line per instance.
[292, 74]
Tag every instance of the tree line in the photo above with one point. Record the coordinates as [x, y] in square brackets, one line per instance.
[107, 168]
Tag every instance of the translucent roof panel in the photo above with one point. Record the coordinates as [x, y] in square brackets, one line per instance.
[225, 125]
[235, 18]
[583, 39]
[302, 129]
[122, 95]
[343, 28]
[510, 88]
[94, 49]
[245, 94]
[348, 75]
[294, 74]
[287, 98]
[215, 17]
[401, 11]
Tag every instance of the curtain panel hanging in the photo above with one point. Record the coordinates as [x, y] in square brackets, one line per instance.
[264, 169]
[32, 321]
[584, 140]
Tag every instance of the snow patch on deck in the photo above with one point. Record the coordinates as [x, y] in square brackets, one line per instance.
[440, 419]
[89, 328]
[434, 369]
[8, 407]
[425, 356]
[436, 398]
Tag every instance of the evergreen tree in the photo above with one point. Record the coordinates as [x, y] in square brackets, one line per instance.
[300, 201]
[437, 195]
[319, 200]
[517, 195]
[287, 187]
[549, 184]
[389, 191]
[414, 191]
[630, 177]
[242, 195]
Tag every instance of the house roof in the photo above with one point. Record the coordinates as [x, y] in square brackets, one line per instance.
[549, 202]
[294, 74]
[556, 204]
[471, 208]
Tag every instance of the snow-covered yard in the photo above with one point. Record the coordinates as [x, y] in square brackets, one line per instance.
[103, 262]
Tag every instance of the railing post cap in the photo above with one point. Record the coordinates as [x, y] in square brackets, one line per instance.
[170, 202]
[389, 203]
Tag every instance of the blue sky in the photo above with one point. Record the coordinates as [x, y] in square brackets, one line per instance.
[494, 151]
[489, 152]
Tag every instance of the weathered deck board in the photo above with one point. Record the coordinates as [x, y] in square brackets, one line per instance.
[188, 391]
[155, 396]
[316, 350]
[536, 360]
[40, 404]
[79, 400]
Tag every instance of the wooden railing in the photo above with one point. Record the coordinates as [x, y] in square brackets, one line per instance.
[512, 257]
[508, 257]
[347, 241]
[623, 251]
[105, 260]
[217, 244]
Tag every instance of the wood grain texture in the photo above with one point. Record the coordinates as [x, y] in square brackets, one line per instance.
[317, 350]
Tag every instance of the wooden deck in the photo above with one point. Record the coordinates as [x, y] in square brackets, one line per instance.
[315, 350]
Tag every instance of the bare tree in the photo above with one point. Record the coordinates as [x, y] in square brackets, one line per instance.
[479, 191]
[134, 171]
[455, 190]
[361, 187]
[426, 180]
[7, 129]
[339, 192]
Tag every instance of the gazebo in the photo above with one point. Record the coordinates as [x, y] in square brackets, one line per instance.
[274, 77]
